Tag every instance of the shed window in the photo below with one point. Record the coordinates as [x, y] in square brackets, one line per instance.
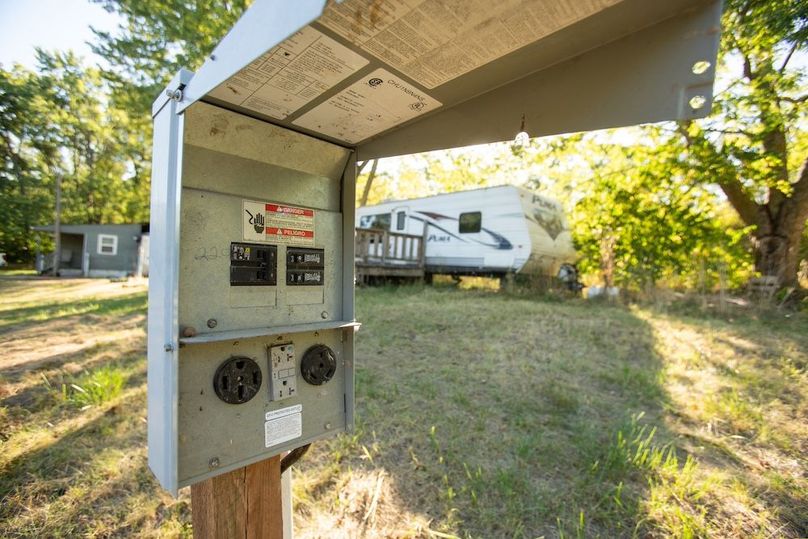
[470, 222]
[401, 220]
[107, 244]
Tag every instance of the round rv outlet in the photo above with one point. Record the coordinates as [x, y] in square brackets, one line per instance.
[318, 365]
[237, 380]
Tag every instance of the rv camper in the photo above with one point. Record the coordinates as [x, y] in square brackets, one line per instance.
[492, 231]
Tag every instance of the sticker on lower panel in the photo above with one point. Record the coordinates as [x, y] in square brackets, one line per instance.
[283, 425]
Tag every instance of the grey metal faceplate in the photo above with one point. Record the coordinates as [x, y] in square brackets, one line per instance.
[232, 435]
[605, 63]
[229, 158]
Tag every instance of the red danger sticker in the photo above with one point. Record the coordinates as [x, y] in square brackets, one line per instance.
[293, 232]
[271, 222]
[289, 210]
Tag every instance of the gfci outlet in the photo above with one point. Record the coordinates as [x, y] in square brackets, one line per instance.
[283, 374]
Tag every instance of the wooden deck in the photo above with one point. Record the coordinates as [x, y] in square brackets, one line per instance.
[382, 255]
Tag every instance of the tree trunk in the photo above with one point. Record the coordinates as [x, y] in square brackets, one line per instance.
[777, 240]
[368, 183]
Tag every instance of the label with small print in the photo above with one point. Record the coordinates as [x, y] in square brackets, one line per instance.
[277, 223]
[283, 425]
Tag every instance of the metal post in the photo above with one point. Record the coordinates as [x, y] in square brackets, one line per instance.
[57, 227]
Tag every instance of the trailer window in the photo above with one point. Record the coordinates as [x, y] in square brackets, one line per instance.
[470, 222]
[401, 220]
[380, 220]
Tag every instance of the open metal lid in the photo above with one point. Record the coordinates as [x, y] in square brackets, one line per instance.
[391, 77]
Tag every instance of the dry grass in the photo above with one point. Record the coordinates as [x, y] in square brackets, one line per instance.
[479, 415]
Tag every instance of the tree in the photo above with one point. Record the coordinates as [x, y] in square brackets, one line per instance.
[26, 188]
[637, 215]
[156, 39]
[754, 145]
[368, 181]
[58, 121]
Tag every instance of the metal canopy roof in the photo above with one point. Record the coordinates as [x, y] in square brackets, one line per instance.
[390, 77]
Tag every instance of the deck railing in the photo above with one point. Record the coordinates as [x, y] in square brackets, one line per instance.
[376, 246]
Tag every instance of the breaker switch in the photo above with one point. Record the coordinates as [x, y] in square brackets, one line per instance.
[304, 267]
[253, 264]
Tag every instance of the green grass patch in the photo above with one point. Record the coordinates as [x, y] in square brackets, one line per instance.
[94, 388]
[479, 414]
[118, 306]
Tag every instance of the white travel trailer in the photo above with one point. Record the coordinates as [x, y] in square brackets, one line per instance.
[491, 231]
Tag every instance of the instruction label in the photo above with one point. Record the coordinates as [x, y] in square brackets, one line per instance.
[433, 41]
[270, 222]
[372, 104]
[283, 425]
[291, 74]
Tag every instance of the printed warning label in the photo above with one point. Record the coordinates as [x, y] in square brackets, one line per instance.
[433, 41]
[291, 74]
[369, 106]
[283, 425]
[277, 223]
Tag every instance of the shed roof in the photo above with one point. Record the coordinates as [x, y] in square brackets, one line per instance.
[81, 229]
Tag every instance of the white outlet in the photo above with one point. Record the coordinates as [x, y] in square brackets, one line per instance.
[283, 372]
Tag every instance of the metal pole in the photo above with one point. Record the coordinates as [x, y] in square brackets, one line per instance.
[57, 227]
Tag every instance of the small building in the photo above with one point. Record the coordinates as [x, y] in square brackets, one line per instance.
[98, 251]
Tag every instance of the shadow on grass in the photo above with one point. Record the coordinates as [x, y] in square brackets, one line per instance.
[498, 415]
[118, 306]
[91, 480]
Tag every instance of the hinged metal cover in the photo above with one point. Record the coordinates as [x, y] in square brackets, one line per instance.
[403, 76]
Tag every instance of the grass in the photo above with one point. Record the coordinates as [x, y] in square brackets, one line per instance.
[479, 414]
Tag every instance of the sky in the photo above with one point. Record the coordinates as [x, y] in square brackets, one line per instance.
[49, 24]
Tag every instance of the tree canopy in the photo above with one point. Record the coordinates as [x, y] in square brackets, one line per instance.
[681, 203]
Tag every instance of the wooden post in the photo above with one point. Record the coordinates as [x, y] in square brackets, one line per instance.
[243, 503]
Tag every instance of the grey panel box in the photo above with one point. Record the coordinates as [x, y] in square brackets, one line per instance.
[219, 295]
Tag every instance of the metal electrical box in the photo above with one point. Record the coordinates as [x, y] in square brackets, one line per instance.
[251, 307]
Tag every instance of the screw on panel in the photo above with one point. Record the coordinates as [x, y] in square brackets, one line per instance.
[175, 95]
[213, 463]
[212, 323]
[169, 347]
[328, 426]
[324, 315]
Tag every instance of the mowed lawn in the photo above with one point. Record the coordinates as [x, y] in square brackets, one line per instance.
[480, 414]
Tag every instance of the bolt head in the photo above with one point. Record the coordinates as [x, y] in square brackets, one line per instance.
[324, 315]
[212, 323]
[214, 462]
